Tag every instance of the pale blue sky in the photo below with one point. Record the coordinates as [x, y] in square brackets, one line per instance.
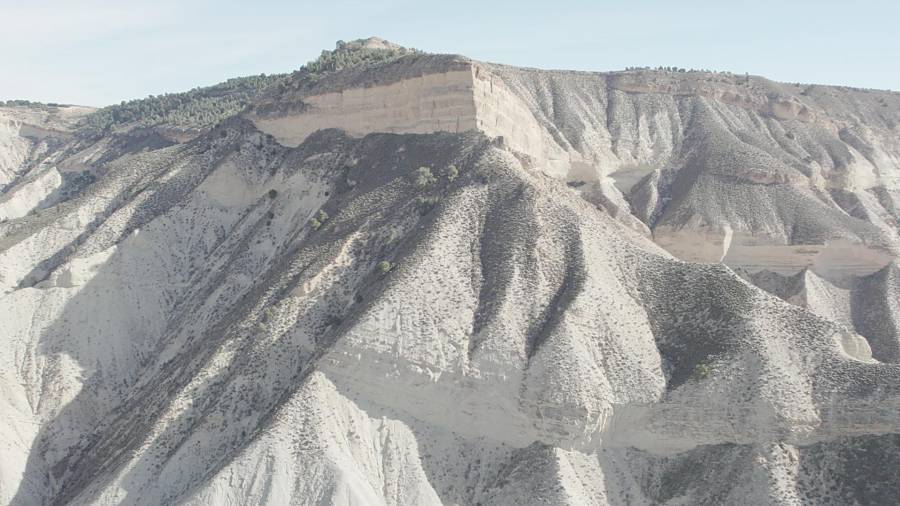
[98, 52]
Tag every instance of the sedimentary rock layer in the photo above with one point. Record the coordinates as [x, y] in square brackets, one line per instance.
[743, 171]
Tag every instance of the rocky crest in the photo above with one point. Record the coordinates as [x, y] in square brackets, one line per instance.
[716, 167]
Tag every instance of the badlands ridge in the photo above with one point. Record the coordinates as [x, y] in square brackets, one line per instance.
[768, 152]
[400, 278]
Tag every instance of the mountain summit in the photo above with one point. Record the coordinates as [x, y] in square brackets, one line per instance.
[394, 277]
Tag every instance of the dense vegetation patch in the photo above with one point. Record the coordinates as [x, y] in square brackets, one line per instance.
[202, 108]
[29, 103]
[194, 109]
[353, 54]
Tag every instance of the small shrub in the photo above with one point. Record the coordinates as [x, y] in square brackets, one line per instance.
[319, 219]
[452, 173]
[424, 177]
[701, 372]
[273, 193]
[426, 204]
[384, 266]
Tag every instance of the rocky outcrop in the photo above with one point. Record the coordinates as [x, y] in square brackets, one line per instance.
[721, 168]
[440, 102]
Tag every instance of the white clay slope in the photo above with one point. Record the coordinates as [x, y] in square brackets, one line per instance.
[294, 319]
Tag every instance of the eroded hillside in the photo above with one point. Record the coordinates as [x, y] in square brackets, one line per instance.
[716, 167]
[419, 279]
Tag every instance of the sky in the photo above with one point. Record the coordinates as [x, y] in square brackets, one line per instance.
[100, 52]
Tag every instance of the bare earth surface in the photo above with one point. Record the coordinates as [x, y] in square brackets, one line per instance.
[638, 287]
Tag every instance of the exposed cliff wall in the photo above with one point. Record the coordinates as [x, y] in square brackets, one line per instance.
[719, 168]
[439, 102]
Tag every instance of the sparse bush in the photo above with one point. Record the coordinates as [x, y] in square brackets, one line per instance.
[319, 219]
[273, 193]
[424, 177]
[701, 372]
[452, 172]
[426, 204]
[384, 266]
[75, 182]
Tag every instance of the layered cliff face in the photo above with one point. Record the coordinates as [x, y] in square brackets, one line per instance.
[274, 312]
[718, 168]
